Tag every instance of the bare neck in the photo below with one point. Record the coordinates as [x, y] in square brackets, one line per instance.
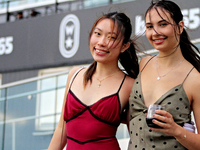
[169, 60]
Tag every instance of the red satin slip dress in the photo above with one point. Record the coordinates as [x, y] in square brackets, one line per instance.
[92, 127]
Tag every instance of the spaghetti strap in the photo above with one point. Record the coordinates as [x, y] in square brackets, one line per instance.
[147, 63]
[121, 83]
[74, 75]
[188, 74]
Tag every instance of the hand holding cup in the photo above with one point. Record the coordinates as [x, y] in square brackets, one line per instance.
[151, 112]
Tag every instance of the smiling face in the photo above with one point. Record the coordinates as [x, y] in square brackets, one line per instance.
[105, 43]
[161, 31]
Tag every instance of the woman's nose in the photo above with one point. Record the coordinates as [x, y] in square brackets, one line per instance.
[102, 41]
[155, 31]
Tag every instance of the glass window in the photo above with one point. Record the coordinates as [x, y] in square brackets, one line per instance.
[121, 1]
[94, 3]
[50, 99]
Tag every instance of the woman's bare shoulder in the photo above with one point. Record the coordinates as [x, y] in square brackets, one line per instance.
[195, 78]
[192, 84]
[144, 60]
[74, 70]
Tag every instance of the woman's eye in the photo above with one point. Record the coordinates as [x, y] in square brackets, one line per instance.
[163, 24]
[97, 33]
[112, 37]
[149, 27]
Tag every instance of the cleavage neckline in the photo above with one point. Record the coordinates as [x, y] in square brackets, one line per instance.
[164, 95]
[81, 102]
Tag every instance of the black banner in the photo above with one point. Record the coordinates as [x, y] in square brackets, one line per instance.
[62, 39]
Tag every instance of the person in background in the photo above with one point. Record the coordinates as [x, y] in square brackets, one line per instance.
[19, 15]
[96, 97]
[34, 13]
[170, 79]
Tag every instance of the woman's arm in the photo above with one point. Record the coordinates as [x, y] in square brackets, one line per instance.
[59, 139]
[192, 140]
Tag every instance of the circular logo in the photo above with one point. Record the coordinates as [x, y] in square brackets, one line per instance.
[69, 36]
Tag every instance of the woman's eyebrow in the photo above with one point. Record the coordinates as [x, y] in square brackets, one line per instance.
[163, 20]
[102, 30]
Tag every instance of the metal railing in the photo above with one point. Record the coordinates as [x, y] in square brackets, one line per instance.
[9, 10]
[53, 6]
[46, 7]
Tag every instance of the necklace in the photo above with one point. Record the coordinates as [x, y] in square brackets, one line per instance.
[105, 78]
[159, 76]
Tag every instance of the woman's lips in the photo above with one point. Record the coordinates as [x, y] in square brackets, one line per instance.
[101, 51]
[159, 41]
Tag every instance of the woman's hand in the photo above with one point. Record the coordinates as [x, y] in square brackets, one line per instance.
[168, 125]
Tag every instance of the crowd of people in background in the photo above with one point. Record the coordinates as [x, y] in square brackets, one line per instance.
[32, 13]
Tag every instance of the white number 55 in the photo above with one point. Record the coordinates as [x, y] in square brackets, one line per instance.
[191, 18]
[6, 45]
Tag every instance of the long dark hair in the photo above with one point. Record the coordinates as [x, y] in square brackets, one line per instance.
[128, 58]
[190, 52]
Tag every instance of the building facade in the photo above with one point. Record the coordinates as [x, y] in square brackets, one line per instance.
[36, 54]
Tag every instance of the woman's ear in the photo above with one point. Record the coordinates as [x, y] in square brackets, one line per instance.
[125, 47]
[181, 27]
